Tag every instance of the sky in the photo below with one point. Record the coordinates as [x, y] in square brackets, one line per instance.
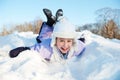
[99, 61]
[79, 12]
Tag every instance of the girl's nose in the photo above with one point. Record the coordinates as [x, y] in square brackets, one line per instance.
[65, 44]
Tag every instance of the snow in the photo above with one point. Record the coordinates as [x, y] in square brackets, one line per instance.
[99, 61]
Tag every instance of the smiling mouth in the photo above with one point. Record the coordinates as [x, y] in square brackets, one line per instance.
[64, 49]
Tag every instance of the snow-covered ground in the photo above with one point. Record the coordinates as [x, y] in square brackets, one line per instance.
[100, 60]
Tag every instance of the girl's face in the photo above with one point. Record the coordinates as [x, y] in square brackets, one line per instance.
[64, 44]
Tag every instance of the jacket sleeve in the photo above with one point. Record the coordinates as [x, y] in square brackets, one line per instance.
[36, 47]
[80, 48]
[43, 48]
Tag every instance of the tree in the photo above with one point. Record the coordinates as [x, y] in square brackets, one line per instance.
[4, 31]
[37, 25]
[103, 15]
[109, 21]
[109, 30]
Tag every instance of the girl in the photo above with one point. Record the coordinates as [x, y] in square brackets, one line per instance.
[61, 46]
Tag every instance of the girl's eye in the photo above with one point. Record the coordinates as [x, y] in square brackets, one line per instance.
[61, 40]
[69, 41]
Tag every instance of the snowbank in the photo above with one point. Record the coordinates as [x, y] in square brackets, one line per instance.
[100, 60]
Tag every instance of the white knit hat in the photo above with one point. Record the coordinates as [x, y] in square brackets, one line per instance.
[63, 29]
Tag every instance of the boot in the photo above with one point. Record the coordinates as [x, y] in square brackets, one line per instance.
[50, 17]
[59, 13]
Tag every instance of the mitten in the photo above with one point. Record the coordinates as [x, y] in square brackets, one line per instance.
[15, 52]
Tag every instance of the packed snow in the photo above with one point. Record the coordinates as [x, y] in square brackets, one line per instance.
[99, 61]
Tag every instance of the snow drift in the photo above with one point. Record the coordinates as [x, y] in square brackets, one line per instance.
[99, 61]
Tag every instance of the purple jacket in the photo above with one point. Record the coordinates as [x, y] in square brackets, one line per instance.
[46, 50]
[44, 47]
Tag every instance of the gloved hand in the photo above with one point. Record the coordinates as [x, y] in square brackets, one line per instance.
[15, 52]
[82, 39]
